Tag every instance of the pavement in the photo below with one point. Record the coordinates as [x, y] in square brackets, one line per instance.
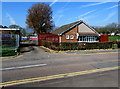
[42, 49]
[26, 51]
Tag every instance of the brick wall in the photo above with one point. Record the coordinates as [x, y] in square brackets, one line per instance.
[71, 32]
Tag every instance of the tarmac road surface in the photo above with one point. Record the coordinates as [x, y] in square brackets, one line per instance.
[40, 63]
[101, 79]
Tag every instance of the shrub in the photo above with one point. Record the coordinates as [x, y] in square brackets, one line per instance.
[8, 53]
[77, 46]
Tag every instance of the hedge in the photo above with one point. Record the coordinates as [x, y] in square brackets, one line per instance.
[77, 46]
[8, 53]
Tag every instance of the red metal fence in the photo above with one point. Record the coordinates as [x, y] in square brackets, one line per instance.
[55, 38]
[104, 38]
[47, 37]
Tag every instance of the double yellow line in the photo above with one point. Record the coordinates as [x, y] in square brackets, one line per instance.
[10, 83]
[90, 53]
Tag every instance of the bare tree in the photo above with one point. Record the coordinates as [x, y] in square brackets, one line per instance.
[40, 18]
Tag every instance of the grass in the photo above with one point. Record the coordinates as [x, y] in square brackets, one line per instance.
[114, 38]
[8, 53]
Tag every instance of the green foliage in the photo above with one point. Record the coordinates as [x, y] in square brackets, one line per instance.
[22, 30]
[77, 46]
[8, 50]
[113, 27]
[114, 38]
[114, 46]
[8, 53]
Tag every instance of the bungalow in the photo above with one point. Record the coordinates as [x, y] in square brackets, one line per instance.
[77, 32]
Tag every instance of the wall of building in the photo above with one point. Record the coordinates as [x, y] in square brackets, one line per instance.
[79, 29]
[82, 28]
[71, 32]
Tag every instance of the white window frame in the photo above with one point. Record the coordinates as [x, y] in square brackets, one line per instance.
[71, 36]
[87, 39]
[67, 37]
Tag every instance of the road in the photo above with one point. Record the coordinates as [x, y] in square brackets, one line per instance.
[40, 63]
[102, 79]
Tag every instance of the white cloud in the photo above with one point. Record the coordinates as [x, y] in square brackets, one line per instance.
[81, 16]
[89, 18]
[86, 13]
[59, 17]
[112, 7]
[93, 4]
[60, 13]
[66, 4]
[101, 2]
[12, 21]
[109, 16]
[86, 18]
[53, 2]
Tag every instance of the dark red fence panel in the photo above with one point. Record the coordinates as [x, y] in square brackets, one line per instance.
[104, 38]
[47, 37]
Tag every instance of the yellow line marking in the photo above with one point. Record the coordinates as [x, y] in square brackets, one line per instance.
[11, 58]
[10, 83]
[53, 51]
[90, 53]
[47, 49]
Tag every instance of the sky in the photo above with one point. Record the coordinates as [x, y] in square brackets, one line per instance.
[92, 13]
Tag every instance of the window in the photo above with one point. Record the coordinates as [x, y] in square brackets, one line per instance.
[67, 36]
[71, 36]
[87, 38]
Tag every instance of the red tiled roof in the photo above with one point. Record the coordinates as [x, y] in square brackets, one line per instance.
[68, 27]
[64, 28]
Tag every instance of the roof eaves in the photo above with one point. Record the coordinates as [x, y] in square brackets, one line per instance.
[59, 34]
[9, 29]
